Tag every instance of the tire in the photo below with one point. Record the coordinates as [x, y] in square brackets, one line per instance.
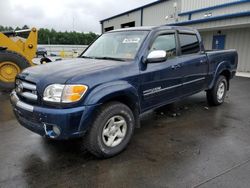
[14, 59]
[217, 94]
[45, 60]
[96, 140]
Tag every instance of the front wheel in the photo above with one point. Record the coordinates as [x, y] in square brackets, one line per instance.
[217, 94]
[11, 64]
[111, 130]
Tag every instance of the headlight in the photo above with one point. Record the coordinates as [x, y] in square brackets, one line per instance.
[53, 93]
[64, 93]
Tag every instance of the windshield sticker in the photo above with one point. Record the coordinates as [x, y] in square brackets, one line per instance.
[131, 40]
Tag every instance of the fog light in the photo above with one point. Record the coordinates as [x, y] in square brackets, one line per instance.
[56, 130]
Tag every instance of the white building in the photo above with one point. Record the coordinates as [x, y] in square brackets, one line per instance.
[223, 24]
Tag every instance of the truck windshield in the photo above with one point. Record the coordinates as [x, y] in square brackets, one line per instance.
[121, 45]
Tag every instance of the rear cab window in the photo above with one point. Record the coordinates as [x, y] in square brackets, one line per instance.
[189, 43]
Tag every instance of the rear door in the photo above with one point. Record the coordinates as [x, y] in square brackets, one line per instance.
[194, 64]
[161, 82]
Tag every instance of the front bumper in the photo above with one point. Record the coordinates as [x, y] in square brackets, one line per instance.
[71, 122]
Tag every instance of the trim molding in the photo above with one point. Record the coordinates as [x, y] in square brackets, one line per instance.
[158, 90]
[215, 18]
[133, 10]
[214, 7]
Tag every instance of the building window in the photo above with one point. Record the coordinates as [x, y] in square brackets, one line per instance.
[189, 44]
[108, 29]
[189, 16]
[129, 24]
[208, 14]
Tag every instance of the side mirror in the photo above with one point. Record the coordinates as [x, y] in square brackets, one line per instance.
[157, 56]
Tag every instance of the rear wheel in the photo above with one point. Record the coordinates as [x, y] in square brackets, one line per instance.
[217, 94]
[11, 63]
[111, 130]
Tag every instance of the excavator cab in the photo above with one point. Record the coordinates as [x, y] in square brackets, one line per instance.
[17, 49]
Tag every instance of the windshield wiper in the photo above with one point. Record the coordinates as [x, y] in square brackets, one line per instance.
[106, 58]
[87, 57]
[110, 58]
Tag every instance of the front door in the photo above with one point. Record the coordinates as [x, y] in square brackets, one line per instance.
[161, 82]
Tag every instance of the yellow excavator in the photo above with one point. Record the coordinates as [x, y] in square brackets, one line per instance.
[17, 49]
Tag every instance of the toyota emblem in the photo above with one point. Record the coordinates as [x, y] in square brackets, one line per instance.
[19, 86]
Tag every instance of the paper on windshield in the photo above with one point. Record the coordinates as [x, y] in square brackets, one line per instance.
[131, 40]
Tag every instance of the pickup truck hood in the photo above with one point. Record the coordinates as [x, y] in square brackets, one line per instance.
[61, 71]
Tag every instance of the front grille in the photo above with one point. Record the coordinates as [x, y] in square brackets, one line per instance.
[26, 91]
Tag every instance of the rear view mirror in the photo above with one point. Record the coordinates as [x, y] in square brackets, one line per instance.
[157, 56]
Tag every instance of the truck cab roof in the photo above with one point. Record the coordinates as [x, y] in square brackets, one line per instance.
[157, 28]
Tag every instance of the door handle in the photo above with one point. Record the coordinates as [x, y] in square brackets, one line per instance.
[176, 66]
[202, 61]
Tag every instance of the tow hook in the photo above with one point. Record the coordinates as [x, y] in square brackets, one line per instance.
[51, 131]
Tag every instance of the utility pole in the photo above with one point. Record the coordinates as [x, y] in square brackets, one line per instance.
[73, 23]
[175, 12]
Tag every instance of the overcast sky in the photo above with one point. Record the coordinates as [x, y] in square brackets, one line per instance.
[80, 15]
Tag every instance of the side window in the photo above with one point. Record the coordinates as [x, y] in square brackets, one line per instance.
[189, 44]
[165, 42]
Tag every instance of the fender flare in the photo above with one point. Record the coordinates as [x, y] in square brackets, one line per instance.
[222, 66]
[107, 92]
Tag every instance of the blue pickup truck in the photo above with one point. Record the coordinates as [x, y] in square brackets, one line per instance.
[101, 94]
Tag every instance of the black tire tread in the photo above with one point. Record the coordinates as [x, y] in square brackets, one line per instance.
[90, 138]
[14, 57]
[212, 95]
